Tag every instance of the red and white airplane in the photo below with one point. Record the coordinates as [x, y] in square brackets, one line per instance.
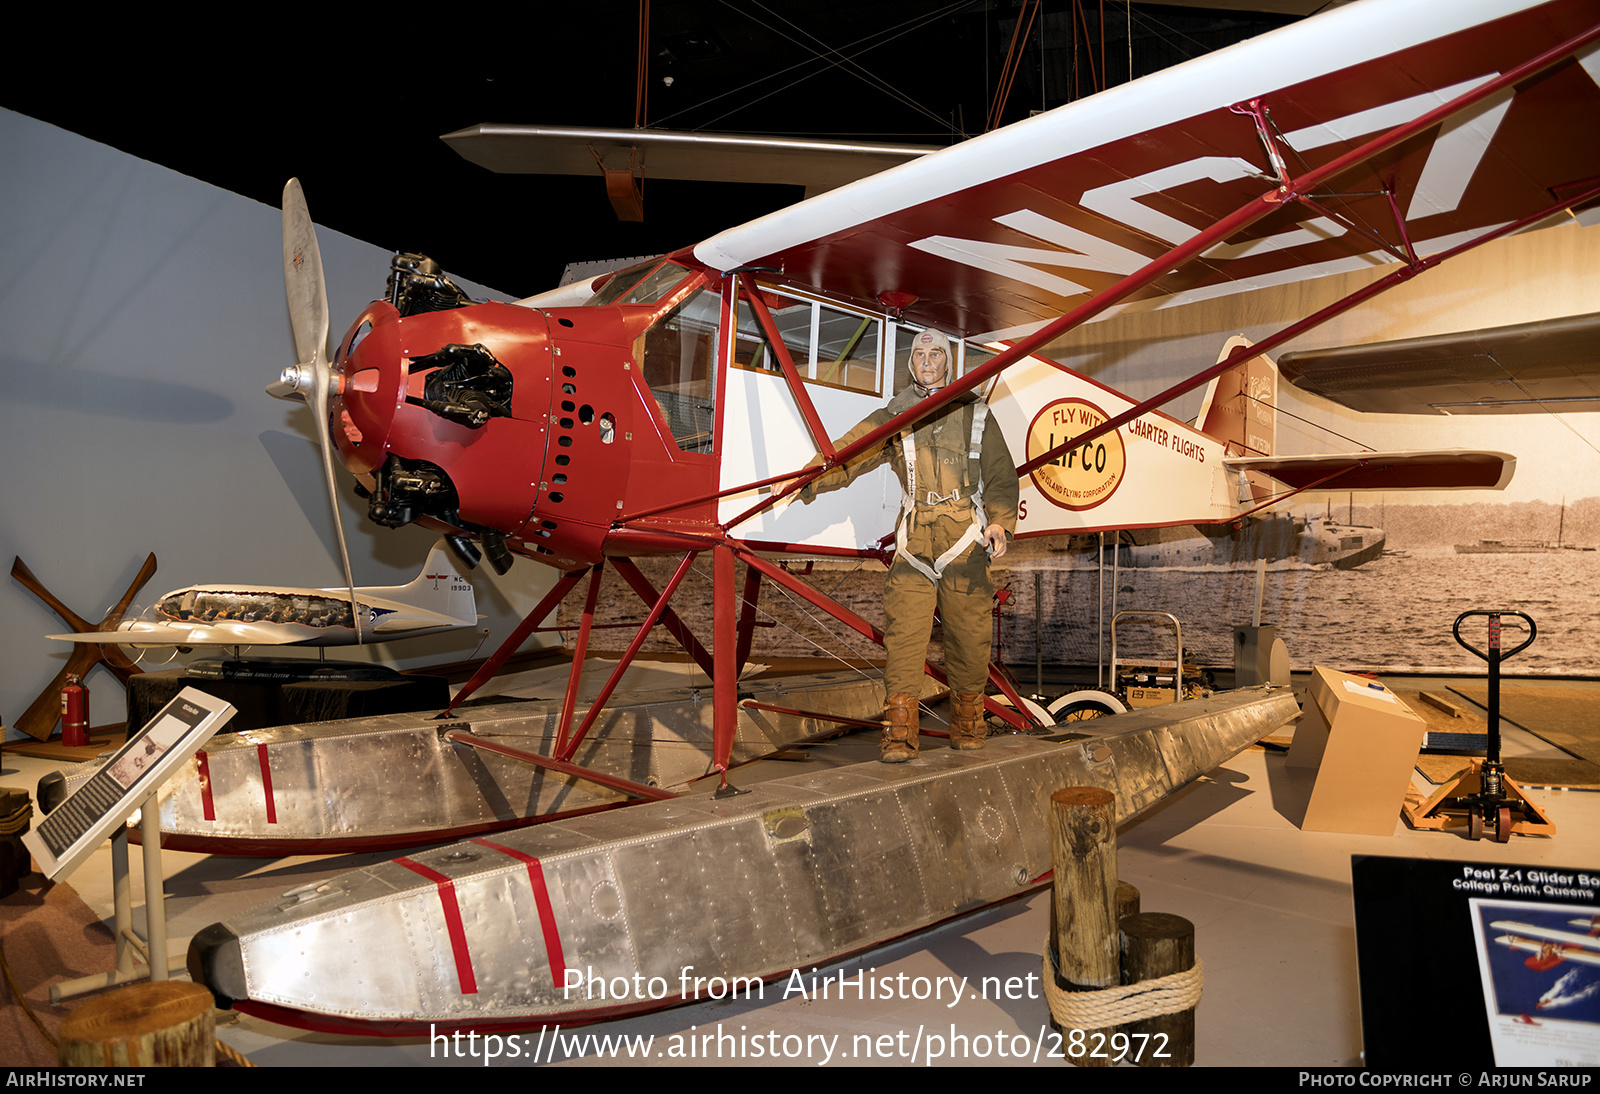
[673, 410]
[670, 408]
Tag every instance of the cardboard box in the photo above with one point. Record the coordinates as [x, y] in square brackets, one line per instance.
[1310, 737]
[1370, 748]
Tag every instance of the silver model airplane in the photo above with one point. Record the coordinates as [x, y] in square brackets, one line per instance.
[437, 599]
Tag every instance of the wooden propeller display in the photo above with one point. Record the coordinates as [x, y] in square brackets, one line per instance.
[45, 711]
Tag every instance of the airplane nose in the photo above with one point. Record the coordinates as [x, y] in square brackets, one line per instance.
[373, 381]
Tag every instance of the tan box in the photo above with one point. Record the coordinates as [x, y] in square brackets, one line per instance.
[1148, 697]
[1371, 746]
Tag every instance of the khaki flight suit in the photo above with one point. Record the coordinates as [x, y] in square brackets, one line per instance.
[964, 594]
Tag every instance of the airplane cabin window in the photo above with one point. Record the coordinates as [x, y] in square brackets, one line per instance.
[677, 360]
[793, 320]
[828, 345]
[847, 350]
[973, 357]
[750, 349]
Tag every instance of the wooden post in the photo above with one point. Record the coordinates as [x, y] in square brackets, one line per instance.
[159, 1024]
[1127, 900]
[1156, 944]
[1083, 851]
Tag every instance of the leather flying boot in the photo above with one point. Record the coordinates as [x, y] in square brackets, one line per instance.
[967, 725]
[899, 742]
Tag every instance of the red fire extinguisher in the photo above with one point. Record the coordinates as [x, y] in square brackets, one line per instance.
[74, 713]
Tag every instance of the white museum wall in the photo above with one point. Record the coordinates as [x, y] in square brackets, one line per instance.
[141, 316]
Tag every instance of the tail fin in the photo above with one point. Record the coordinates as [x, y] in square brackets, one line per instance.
[441, 588]
[1241, 410]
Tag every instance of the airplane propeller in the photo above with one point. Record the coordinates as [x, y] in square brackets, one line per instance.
[308, 314]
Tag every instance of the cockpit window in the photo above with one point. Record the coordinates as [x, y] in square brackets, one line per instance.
[657, 285]
[642, 284]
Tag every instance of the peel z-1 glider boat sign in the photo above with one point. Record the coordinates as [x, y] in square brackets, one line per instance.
[675, 412]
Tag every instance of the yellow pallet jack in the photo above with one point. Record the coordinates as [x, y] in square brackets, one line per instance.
[1480, 797]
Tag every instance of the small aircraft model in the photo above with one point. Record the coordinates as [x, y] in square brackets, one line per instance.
[1549, 947]
[674, 409]
[437, 599]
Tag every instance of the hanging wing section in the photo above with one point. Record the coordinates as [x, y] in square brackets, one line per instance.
[819, 165]
[1527, 368]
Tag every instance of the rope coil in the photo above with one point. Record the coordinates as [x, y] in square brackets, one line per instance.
[1118, 1006]
[17, 821]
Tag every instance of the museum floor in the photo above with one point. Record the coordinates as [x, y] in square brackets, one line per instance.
[1271, 905]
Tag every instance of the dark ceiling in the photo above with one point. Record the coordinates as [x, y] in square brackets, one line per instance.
[358, 115]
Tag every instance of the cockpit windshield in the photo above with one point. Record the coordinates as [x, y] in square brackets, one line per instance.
[645, 283]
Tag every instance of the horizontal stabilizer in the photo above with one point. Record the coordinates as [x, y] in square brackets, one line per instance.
[1448, 469]
[1527, 368]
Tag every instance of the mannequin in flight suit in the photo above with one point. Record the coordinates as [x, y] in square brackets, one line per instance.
[960, 505]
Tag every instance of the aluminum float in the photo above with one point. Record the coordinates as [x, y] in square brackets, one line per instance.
[400, 780]
[552, 923]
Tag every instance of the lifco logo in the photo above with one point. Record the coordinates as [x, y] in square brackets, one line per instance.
[1081, 477]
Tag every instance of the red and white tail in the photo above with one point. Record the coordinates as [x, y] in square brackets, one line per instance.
[1241, 410]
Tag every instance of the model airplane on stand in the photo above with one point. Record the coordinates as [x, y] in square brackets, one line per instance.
[673, 411]
[437, 599]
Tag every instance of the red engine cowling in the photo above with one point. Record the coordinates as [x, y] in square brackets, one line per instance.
[473, 419]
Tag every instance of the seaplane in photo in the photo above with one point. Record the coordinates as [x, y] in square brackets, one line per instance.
[673, 410]
[1549, 947]
[437, 599]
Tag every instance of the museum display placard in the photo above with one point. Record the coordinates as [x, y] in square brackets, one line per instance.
[72, 830]
[1477, 963]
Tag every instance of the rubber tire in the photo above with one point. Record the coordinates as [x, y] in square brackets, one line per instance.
[1502, 825]
[1083, 711]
